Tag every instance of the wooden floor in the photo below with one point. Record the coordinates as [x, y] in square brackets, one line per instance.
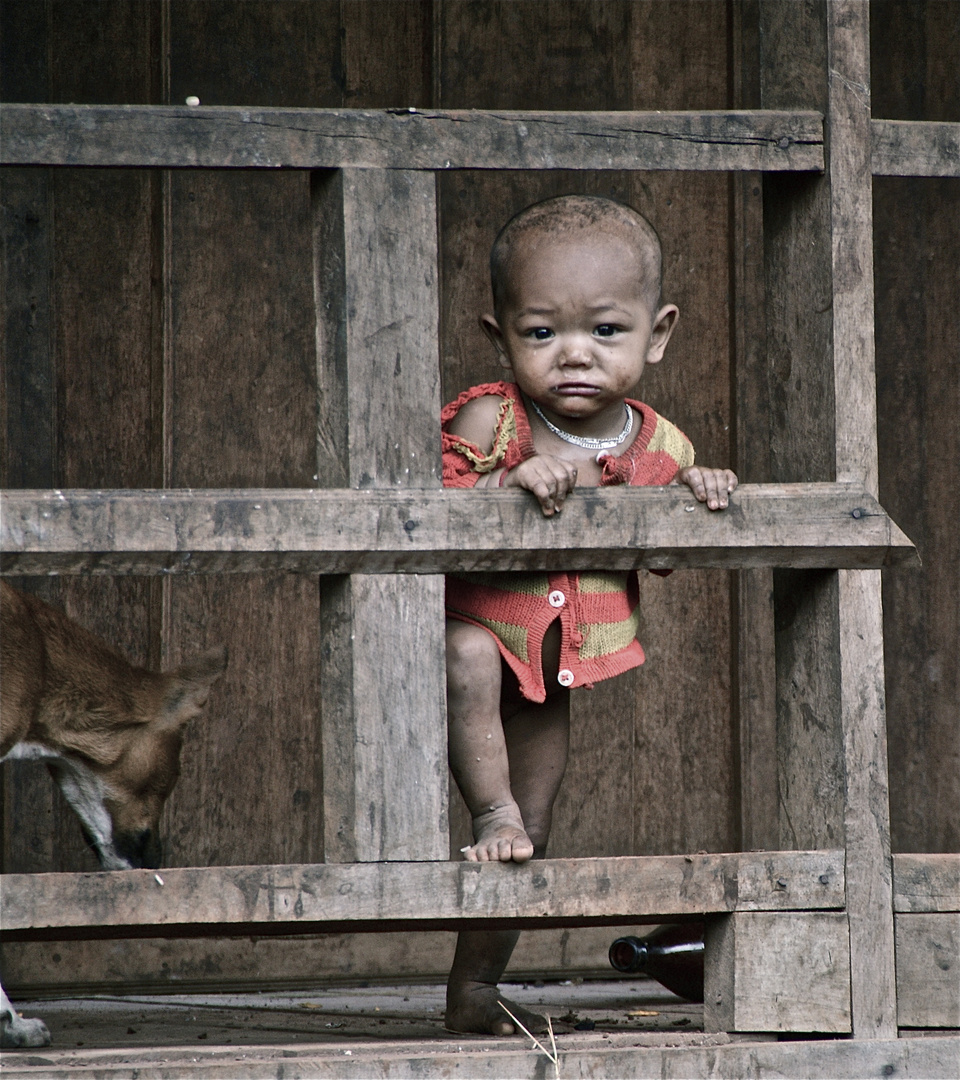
[627, 1028]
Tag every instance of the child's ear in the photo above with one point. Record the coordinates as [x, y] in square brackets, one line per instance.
[663, 323]
[491, 328]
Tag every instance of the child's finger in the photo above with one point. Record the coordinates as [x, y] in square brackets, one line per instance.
[717, 488]
[693, 478]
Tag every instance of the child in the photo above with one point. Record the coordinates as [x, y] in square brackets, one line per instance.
[577, 317]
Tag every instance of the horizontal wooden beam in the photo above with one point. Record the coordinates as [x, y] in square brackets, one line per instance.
[926, 883]
[915, 148]
[691, 1055]
[231, 137]
[402, 531]
[337, 897]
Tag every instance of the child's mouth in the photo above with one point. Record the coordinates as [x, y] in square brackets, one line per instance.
[576, 390]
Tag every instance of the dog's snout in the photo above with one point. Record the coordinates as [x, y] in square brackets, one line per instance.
[141, 849]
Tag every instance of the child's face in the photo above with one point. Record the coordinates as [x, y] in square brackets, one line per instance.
[575, 327]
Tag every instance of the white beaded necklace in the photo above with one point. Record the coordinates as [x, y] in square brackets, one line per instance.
[583, 440]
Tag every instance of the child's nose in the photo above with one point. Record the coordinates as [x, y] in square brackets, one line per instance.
[577, 351]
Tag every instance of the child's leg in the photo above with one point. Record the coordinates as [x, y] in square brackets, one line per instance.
[537, 739]
[477, 745]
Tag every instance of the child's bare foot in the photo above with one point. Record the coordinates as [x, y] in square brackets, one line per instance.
[475, 1007]
[499, 836]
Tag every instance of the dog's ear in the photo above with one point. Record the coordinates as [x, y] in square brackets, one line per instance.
[189, 686]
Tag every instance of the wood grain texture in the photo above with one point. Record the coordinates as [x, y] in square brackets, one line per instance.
[860, 614]
[80, 345]
[250, 786]
[418, 894]
[385, 773]
[692, 1056]
[753, 663]
[809, 731]
[916, 64]
[240, 393]
[915, 148]
[277, 962]
[829, 628]
[788, 972]
[928, 970]
[232, 137]
[926, 883]
[384, 702]
[425, 531]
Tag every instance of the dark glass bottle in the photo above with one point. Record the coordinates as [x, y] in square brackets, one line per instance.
[672, 954]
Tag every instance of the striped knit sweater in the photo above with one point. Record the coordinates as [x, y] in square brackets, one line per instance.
[598, 612]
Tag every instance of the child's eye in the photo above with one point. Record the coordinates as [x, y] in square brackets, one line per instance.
[540, 333]
[606, 330]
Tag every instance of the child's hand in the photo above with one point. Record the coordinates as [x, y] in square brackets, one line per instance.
[711, 486]
[550, 479]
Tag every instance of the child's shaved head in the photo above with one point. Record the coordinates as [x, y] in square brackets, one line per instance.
[564, 216]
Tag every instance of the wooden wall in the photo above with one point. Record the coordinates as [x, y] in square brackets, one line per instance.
[159, 330]
[916, 76]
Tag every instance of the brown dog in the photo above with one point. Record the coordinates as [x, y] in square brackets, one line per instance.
[110, 733]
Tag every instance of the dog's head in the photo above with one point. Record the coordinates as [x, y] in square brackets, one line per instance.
[119, 794]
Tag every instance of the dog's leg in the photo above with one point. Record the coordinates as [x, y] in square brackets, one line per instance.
[16, 1031]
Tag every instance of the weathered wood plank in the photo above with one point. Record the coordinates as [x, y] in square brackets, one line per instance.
[860, 614]
[787, 971]
[926, 883]
[421, 895]
[382, 638]
[434, 531]
[915, 50]
[235, 137]
[384, 734]
[914, 148]
[928, 970]
[690, 1056]
[831, 724]
[229, 964]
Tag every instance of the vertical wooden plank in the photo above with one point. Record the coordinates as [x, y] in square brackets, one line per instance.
[384, 732]
[683, 753]
[29, 382]
[383, 70]
[250, 781]
[240, 397]
[810, 782]
[792, 44]
[753, 663]
[916, 65]
[867, 817]
[81, 342]
[928, 959]
[829, 627]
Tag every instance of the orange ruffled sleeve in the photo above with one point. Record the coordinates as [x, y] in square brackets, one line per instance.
[464, 462]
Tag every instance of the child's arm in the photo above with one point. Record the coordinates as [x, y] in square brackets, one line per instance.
[712, 486]
[549, 479]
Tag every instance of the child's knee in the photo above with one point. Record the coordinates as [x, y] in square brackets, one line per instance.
[473, 659]
[470, 649]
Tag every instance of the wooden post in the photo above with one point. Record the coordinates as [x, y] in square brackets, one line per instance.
[777, 971]
[384, 711]
[830, 689]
